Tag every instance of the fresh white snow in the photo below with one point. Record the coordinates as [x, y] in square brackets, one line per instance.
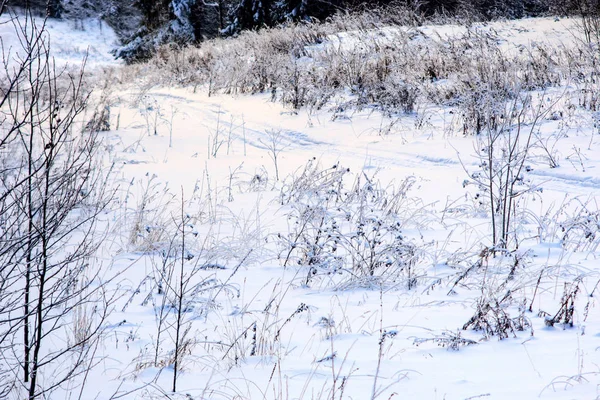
[221, 162]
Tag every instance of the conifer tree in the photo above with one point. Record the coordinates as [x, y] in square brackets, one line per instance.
[251, 14]
[54, 8]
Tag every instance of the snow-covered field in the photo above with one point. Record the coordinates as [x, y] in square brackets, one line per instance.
[70, 41]
[340, 258]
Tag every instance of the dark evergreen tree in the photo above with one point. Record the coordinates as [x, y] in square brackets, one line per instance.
[163, 22]
[292, 9]
[251, 14]
[180, 28]
[297, 10]
[207, 19]
[439, 7]
[54, 8]
[155, 12]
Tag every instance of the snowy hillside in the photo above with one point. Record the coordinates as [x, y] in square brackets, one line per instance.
[415, 235]
[70, 40]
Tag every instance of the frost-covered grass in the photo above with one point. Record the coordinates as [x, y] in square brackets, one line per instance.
[327, 232]
[393, 68]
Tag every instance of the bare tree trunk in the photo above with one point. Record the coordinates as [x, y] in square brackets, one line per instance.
[180, 294]
[44, 231]
[30, 233]
[221, 15]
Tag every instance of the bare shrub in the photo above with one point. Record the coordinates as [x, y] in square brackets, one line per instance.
[448, 339]
[259, 333]
[566, 310]
[503, 153]
[348, 236]
[492, 318]
[185, 287]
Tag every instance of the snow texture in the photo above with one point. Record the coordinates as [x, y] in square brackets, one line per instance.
[261, 330]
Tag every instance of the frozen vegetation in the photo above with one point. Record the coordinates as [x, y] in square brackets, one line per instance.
[350, 210]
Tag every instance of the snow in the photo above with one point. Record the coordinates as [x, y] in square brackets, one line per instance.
[71, 40]
[220, 144]
[512, 36]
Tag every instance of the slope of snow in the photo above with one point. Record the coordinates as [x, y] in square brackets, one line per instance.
[552, 364]
[70, 40]
[268, 335]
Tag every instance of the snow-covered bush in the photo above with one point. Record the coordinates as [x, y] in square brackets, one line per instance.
[565, 314]
[579, 229]
[312, 180]
[493, 318]
[348, 236]
[501, 307]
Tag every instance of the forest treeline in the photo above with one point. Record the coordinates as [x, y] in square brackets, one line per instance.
[145, 25]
